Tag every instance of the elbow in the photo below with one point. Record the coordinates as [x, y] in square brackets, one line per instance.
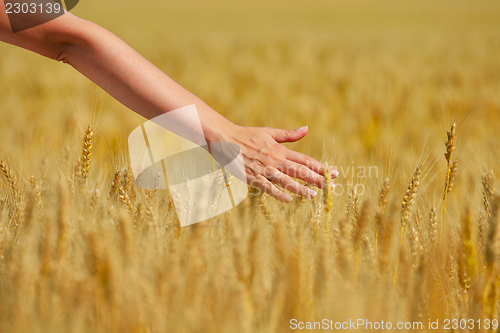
[63, 53]
[65, 36]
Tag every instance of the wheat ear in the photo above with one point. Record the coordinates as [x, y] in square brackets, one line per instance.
[87, 154]
[433, 226]
[406, 208]
[10, 177]
[38, 194]
[126, 200]
[265, 209]
[115, 184]
[450, 173]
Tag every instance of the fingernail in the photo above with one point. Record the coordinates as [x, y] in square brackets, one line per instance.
[332, 184]
[312, 193]
[288, 198]
[303, 128]
[335, 173]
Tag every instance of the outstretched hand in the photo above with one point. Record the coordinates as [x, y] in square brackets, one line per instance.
[136, 83]
[268, 163]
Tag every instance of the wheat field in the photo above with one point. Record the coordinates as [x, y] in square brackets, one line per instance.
[402, 98]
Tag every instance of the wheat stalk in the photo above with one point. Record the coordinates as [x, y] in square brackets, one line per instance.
[63, 220]
[487, 182]
[386, 236]
[488, 193]
[126, 231]
[358, 233]
[491, 292]
[384, 192]
[468, 245]
[327, 200]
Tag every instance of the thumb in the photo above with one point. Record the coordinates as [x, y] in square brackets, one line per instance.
[284, 135]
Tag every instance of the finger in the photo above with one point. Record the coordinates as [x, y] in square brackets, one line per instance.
[310, 163]
[286, 135]
[288, 183]
[265, 185]
[302, 172]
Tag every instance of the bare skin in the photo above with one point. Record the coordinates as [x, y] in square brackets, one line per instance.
[142, 87]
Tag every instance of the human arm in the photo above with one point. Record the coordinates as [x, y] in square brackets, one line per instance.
[138, 84]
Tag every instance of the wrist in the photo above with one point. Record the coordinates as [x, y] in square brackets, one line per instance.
[216, 128]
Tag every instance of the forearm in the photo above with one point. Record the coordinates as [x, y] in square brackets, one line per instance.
[135, 82]
[115, 67]
[130, 78]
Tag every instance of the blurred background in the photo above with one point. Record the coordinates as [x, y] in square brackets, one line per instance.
[378, 83]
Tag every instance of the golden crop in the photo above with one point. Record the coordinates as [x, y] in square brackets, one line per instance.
[83, 249]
